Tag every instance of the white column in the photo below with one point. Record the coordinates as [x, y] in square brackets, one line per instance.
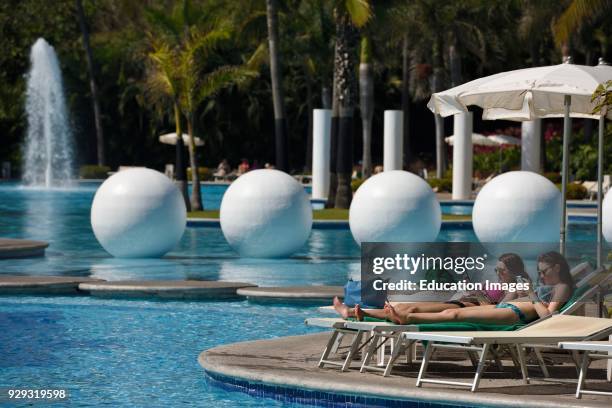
[321, 134]
[530, 145]
[462, 156]
[393, 140]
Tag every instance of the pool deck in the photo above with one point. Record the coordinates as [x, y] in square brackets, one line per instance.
[293, 293]
[287, 366]
[41, 285]
[21, 248]
[189, 289]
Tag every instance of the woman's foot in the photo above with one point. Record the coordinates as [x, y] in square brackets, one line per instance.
[359, 313]
[393, 315]
[342, 309]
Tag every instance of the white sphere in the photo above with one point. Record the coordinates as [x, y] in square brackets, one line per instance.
[138, 213]
[518, 206]
[606, 208]
[266, 214]
[395, 206]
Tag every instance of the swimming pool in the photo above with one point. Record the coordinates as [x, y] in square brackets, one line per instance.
[140, 352]
[130, 353]
[61, 217]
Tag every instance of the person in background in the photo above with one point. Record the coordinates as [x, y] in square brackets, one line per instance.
[243, 167]
[223, 169]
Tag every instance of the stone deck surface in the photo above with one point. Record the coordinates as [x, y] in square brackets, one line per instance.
[293, 292]
[165, 289]
[292, 362]
[41, 285]
[21, 248]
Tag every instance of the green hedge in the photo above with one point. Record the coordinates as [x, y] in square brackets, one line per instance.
[575, 191]
[355, 183]
[553, 176]
[92, 171]
[204, 172]
[443, 184]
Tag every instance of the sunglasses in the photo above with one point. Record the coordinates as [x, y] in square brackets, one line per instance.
[545, 270]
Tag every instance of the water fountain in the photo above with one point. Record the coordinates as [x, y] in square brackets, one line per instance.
[48, 151]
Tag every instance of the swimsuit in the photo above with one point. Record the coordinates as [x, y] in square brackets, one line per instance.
[456, 302]
[543, 292]
[519, 313]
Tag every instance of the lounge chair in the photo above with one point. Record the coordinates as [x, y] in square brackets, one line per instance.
[554, 329]
[592, 350]
[375, 333]
[592, 188]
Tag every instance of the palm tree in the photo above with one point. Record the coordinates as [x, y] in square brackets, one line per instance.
[433, 28]
[184, 74]
[349, 15]
[197, 84]
[92, 84]
[162, 86]
[280, 120]
[366, 103]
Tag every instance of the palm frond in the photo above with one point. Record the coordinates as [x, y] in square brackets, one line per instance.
[259, 57]
[162, 21]
[359, 10]
[221, 78]
[577, 13]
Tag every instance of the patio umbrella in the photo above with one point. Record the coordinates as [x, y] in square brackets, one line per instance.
[170, 138]
[477, 140]
[501, 140]
[526, 94]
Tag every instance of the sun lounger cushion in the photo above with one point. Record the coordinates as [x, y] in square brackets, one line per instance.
[455, 326]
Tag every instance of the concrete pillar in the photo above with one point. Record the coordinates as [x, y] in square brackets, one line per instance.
[530, 145]
[321, 135]
[393, 140]
[462, 156]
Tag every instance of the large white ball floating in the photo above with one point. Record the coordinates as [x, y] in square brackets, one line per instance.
[395, 206]
[518, 206]
[606, 208]
[266, 214]
[138, 213]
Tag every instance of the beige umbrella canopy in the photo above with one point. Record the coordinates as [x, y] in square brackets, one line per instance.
[505, 140]
[527, 94]
[563, 90]
[170, 138]
[477, 140]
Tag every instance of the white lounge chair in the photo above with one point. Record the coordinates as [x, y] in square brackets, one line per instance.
[376, 335]
[592, 350]
[554, 329]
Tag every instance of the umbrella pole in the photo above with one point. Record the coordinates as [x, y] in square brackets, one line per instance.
[567, 125]
[600, 158]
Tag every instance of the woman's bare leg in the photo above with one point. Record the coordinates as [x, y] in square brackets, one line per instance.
[480, 314]
[423, 307]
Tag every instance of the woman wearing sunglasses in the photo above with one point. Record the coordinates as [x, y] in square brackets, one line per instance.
[555, 287]
[510, 269]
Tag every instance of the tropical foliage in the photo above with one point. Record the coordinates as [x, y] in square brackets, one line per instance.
[168, 63]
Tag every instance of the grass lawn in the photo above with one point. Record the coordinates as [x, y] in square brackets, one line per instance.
[327, 214]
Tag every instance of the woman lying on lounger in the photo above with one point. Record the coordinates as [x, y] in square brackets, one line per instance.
[556, 287]
[509, 267]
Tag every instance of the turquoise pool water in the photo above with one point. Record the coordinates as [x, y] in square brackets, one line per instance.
[130, 353]
[61, 217]
[138, 352]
